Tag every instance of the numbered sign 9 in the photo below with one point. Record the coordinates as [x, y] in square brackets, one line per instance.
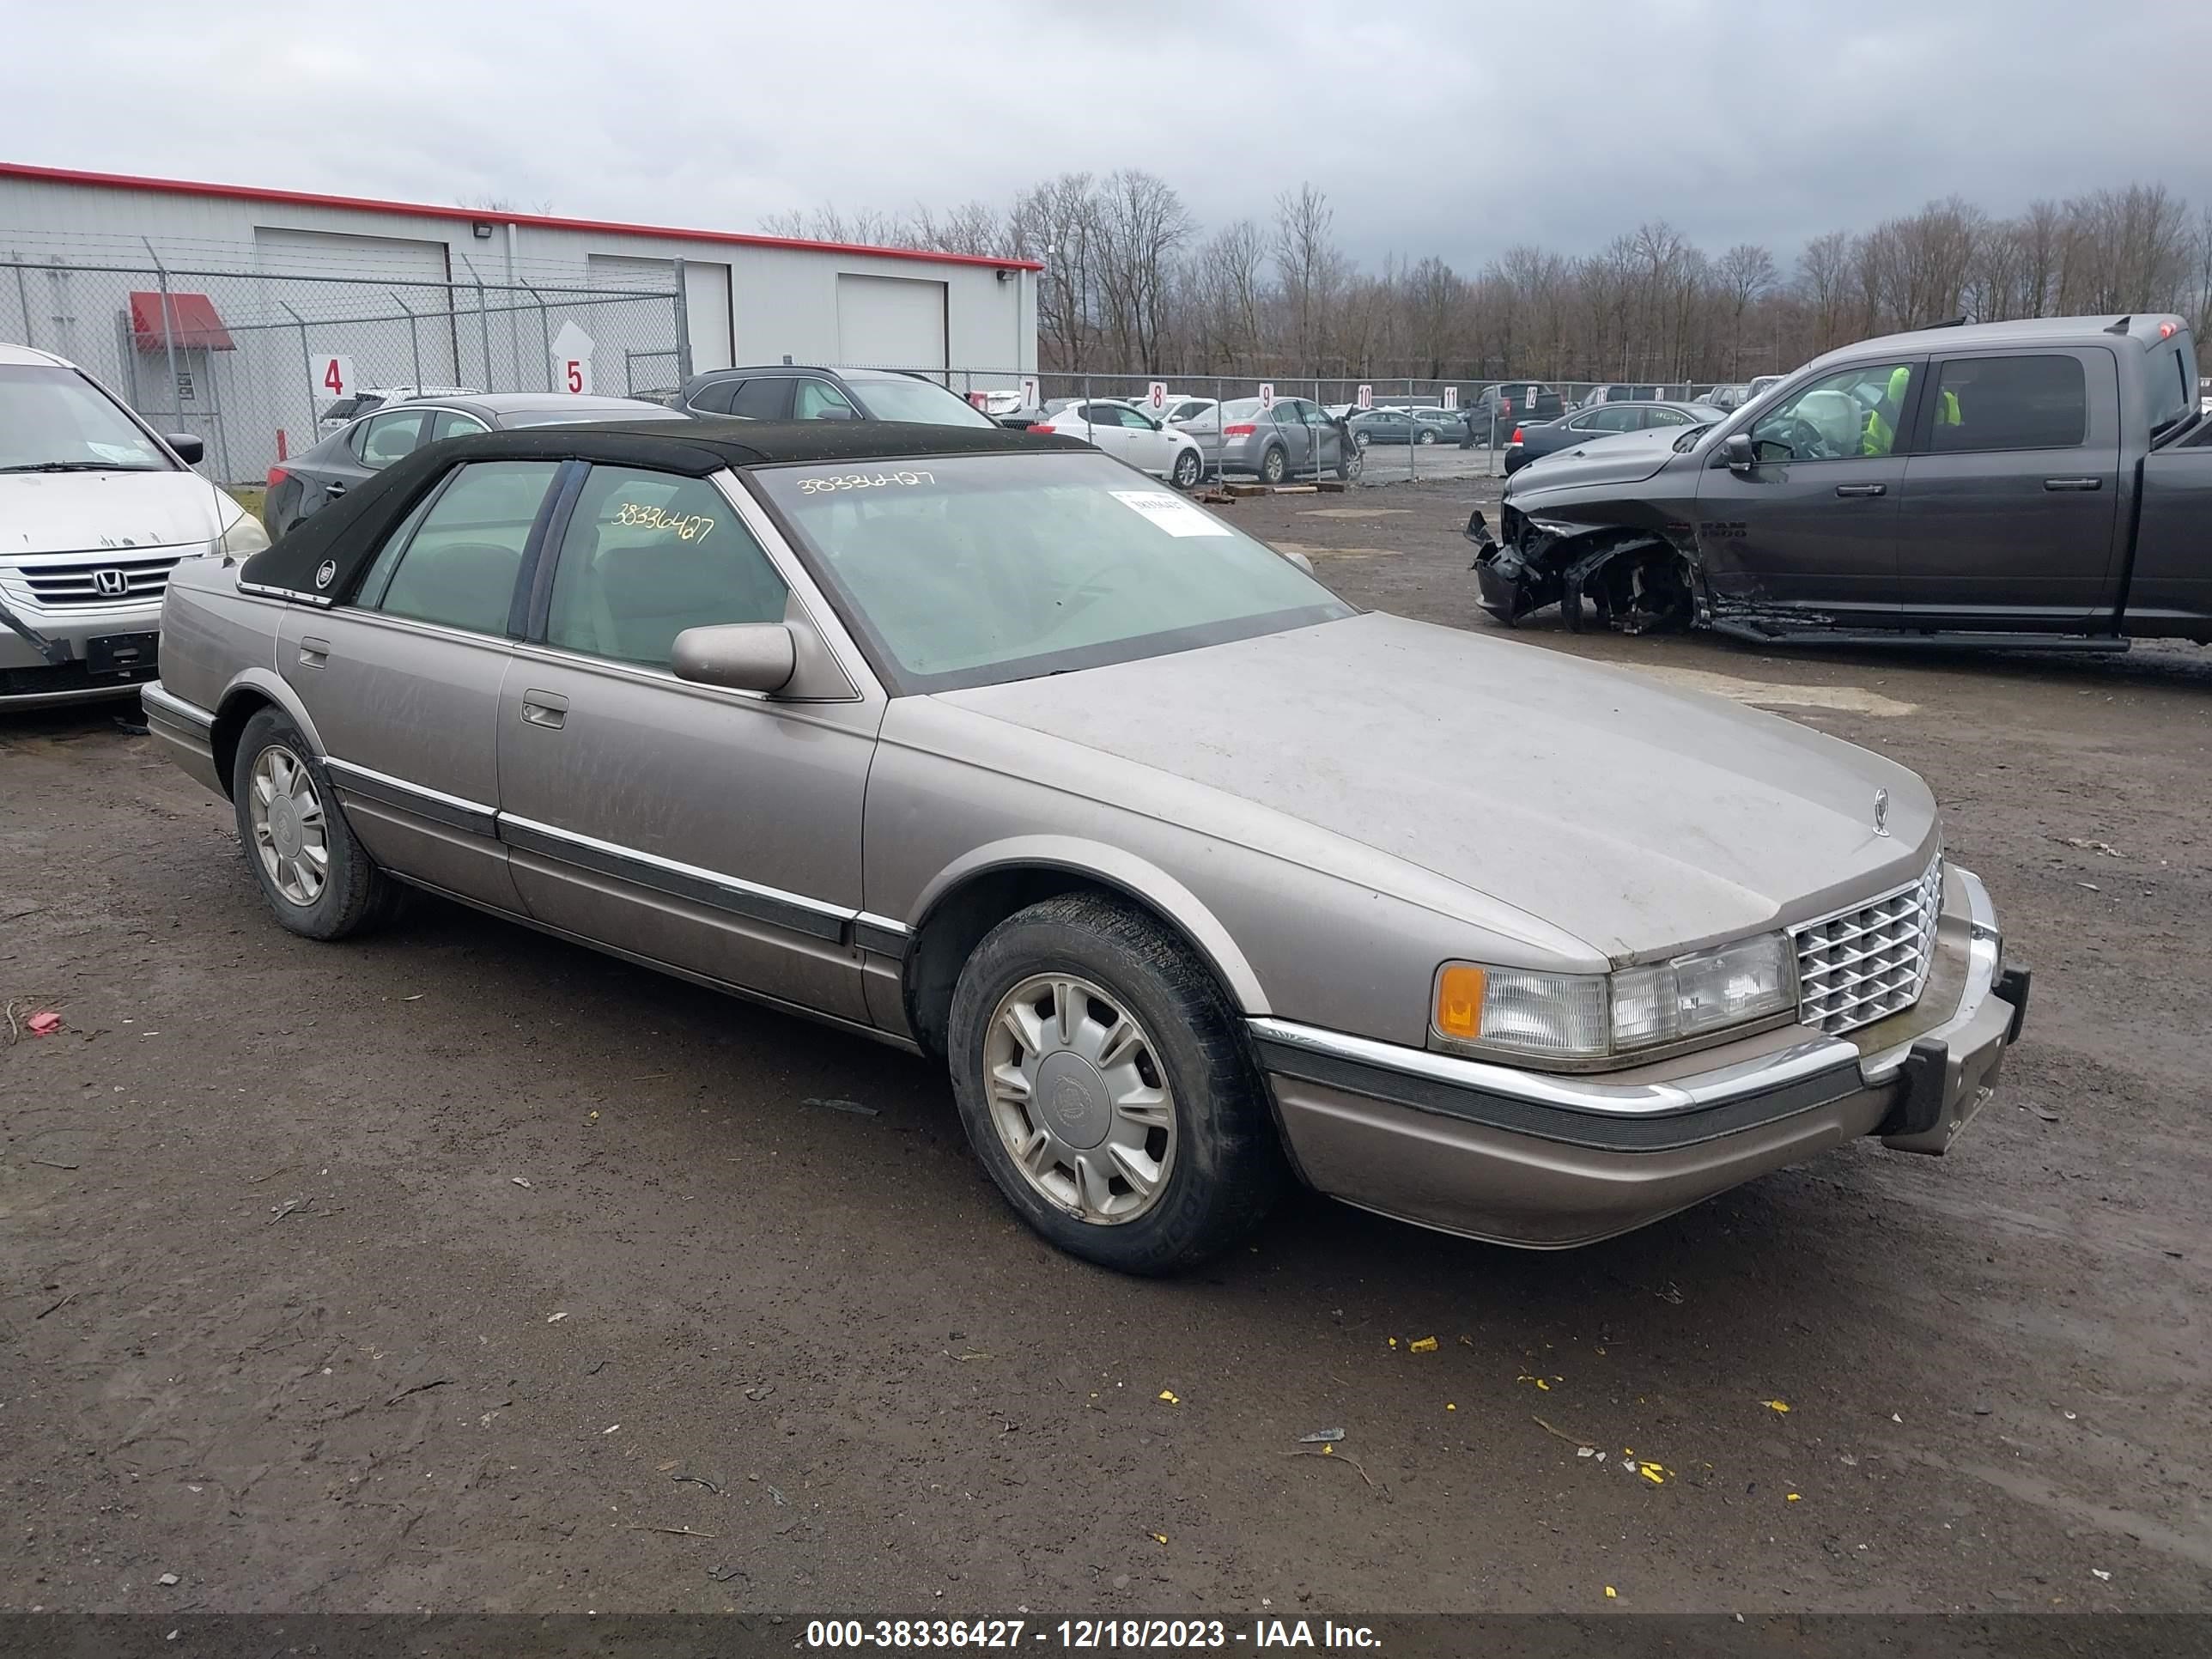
[1266, 394]
[333, 375]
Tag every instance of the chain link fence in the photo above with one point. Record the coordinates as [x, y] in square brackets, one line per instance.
[243, 360]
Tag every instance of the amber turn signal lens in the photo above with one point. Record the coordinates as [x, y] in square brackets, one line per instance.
[1459, 1001]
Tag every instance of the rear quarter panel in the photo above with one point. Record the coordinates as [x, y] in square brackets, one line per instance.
[2170, 589]
[211, 633]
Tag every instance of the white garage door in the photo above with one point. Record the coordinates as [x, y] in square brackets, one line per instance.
[326, 253]
[889, 322]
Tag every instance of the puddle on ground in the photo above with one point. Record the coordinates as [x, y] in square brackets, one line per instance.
[1851, 699]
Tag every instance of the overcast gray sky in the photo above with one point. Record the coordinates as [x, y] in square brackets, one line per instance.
[1434, 128]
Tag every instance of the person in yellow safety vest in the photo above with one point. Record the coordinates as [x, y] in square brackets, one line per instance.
[1881, 436]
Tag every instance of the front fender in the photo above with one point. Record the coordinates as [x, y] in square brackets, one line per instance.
[1114, 867]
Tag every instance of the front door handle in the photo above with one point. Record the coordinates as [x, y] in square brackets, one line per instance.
[332, 491]
[314, 652]
[546, 708]
[2073, 483]
[1863, 490]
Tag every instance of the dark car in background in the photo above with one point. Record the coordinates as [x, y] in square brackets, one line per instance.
[1601, 421]
[1406, 426]
[1498, 408]
[791, 391]
[303, 485]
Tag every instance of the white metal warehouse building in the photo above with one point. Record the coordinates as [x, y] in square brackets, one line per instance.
[209, 307]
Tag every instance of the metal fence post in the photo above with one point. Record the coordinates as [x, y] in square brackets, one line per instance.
[683, 326]
[23, 296]
[306, 368]
[168, 331]
[546, 342]
[414, 337]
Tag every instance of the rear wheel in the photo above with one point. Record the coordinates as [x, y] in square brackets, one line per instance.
[1365, 439]
[1103, 1080]
[315, 875]
[1427, 435]
[1274, 466]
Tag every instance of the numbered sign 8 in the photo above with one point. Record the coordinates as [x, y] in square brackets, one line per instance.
[1156, 396]
[334, 375]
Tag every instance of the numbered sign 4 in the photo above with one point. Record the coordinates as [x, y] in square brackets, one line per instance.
[334, 375]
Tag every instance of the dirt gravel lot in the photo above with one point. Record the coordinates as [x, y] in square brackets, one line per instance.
[461, 1268]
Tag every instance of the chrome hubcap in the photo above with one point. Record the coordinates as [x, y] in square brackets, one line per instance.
[290, 834]
[1078, 1098]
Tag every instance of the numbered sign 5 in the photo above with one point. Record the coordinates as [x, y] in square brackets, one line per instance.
[334, 376]
[572, 374]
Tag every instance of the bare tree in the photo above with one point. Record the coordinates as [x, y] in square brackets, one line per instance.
[1141, 226]
[1308, 267]
[1747, 275]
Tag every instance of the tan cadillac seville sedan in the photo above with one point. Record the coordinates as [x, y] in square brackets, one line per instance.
[981, 743]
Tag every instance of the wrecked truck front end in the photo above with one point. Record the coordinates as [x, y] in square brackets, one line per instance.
[1609, 523]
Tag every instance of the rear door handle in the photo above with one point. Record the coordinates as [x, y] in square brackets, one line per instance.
[546, 708]
[2073, 483]
[314, 652]
[1863, 490]
[332, 491]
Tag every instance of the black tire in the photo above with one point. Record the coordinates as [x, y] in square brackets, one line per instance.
[356, 894]
[1228, 1167]
[1186, 469]
[1351, 462]
[1274, 466]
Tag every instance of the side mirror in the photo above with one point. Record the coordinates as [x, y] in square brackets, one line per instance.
[737, 656]
[189, 448]
[1736, 449]
[1297, 559]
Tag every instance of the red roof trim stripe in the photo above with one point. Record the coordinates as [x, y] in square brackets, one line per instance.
[369, 204]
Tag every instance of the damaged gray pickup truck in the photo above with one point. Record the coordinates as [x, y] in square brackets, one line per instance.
[2044, 483]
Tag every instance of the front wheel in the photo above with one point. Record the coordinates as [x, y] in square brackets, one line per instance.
[1186, 469]
[1274, 466]
[1365, 439]
[1104, 1081]
[1427, 437]
[1351, 462]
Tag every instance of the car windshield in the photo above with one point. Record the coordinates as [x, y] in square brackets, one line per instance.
[554, 415]
[54, 420]
[976, 569]
[898, 398]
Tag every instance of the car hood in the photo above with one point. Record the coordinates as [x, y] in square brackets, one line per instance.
[1639, 819]
[1619, 457]
[99, 512]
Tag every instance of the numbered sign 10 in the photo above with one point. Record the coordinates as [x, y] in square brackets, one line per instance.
[1365, 398]
[333, 376]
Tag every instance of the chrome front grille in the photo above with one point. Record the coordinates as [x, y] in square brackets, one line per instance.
[89, 581]
[1864, 964]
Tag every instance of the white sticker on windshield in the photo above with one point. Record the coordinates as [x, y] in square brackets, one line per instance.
[1171, 513]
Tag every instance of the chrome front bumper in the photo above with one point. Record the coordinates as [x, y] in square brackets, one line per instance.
[1529, 1158]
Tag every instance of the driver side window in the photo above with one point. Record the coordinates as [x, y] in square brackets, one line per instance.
[1853, 413]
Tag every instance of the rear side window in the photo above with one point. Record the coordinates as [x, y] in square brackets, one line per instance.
[763, 400]
[388, 438]
[454, 562]
[2040, 402]
[713, 398]
[648, 554]
[452, 423]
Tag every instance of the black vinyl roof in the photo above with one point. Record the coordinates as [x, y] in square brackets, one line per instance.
[344, 536]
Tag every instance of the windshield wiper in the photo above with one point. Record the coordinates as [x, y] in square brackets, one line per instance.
[77, 467]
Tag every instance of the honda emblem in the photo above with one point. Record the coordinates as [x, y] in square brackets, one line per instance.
[110, 584]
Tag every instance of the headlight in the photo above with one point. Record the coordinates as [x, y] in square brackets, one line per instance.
[243, 536]
[1581, 1018]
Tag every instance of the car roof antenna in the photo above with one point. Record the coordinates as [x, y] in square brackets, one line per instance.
[2120, 327]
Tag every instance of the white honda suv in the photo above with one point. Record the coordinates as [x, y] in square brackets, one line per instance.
[96, 508]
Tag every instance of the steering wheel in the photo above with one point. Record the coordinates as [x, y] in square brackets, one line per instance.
[1806, 442]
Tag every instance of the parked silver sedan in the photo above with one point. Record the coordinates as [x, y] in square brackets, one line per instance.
[1199, 880]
